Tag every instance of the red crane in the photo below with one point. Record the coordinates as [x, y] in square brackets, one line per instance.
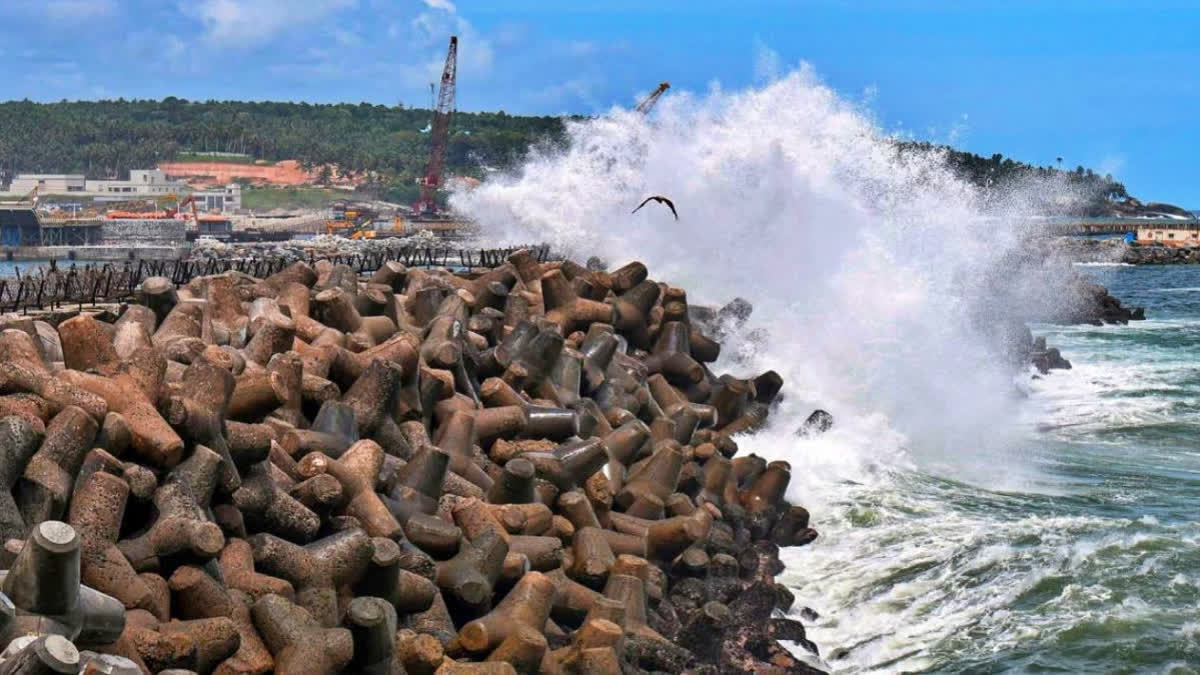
[439, 135]
[648, 102]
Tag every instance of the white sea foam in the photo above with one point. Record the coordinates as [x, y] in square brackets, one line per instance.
[864, 267]
[865, 272]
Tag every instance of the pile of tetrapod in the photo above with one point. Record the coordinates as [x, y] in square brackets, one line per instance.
[529, 468]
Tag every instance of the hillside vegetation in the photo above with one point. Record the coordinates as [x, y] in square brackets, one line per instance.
[389, 143]
[1080, 191]
[107, 138]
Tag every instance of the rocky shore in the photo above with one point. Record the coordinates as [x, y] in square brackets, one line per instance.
[1114, 250]
[525, 469]
[1161, 255]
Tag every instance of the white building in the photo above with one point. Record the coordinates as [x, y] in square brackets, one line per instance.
[141, 182]
[1170, 232]
[219, 198]
[48, 183]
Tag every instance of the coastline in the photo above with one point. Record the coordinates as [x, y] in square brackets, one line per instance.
[1116, 251]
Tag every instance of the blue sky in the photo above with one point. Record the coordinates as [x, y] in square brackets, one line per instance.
[1112, 86]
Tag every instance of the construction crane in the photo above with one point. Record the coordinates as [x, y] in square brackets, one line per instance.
[439, 136]
[648, 102]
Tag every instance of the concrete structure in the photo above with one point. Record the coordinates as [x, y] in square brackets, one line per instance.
[48, 183]
[1068, 226]
[219, 199]
[19, 226]
[215, 226]
[1169, 232]
[59, 232]
[151, 182]
[95, 253]
[25, 236]
[133, 232]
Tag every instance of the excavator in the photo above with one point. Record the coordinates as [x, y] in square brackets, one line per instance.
[358, 223]
[190, 199]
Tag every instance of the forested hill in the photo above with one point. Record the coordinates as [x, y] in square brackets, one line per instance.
[391, 143]
[1079, 191]
[107, 138]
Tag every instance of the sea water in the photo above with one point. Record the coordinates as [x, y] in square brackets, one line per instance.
[11, 268]
[972, 518]
[1091, 566]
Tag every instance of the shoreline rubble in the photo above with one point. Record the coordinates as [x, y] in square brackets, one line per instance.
[523, 469]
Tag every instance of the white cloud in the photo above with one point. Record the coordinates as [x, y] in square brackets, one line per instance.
[431, 30]
[566, 94]
[413, 75]
[241, 24]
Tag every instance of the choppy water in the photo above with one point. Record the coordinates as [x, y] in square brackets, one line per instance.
[1088, 562]
[966, 525]
[10, 268]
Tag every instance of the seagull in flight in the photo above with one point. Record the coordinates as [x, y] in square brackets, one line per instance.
[661, 200]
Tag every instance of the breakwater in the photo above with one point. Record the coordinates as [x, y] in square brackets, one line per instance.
[528, 468]
[59, 284]
[1161, 255]
[1117, 251]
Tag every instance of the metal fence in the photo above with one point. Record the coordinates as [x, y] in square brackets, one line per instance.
[56, 286]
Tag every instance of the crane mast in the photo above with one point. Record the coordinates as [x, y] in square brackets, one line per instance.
[439, 134]
[648, 102]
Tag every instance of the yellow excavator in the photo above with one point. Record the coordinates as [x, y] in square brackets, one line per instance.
[358, 223]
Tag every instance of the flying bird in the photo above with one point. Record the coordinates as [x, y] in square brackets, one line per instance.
[661, 200]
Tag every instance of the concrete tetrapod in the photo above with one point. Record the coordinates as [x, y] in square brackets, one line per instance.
[529, 468]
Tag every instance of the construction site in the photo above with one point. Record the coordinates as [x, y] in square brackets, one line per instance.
[160, 213]
[92, 225]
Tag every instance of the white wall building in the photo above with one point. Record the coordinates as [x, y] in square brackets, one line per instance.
[141, 182]
[219, 198]
[48, 183]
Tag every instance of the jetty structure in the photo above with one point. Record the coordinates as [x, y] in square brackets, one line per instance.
[26, 234]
